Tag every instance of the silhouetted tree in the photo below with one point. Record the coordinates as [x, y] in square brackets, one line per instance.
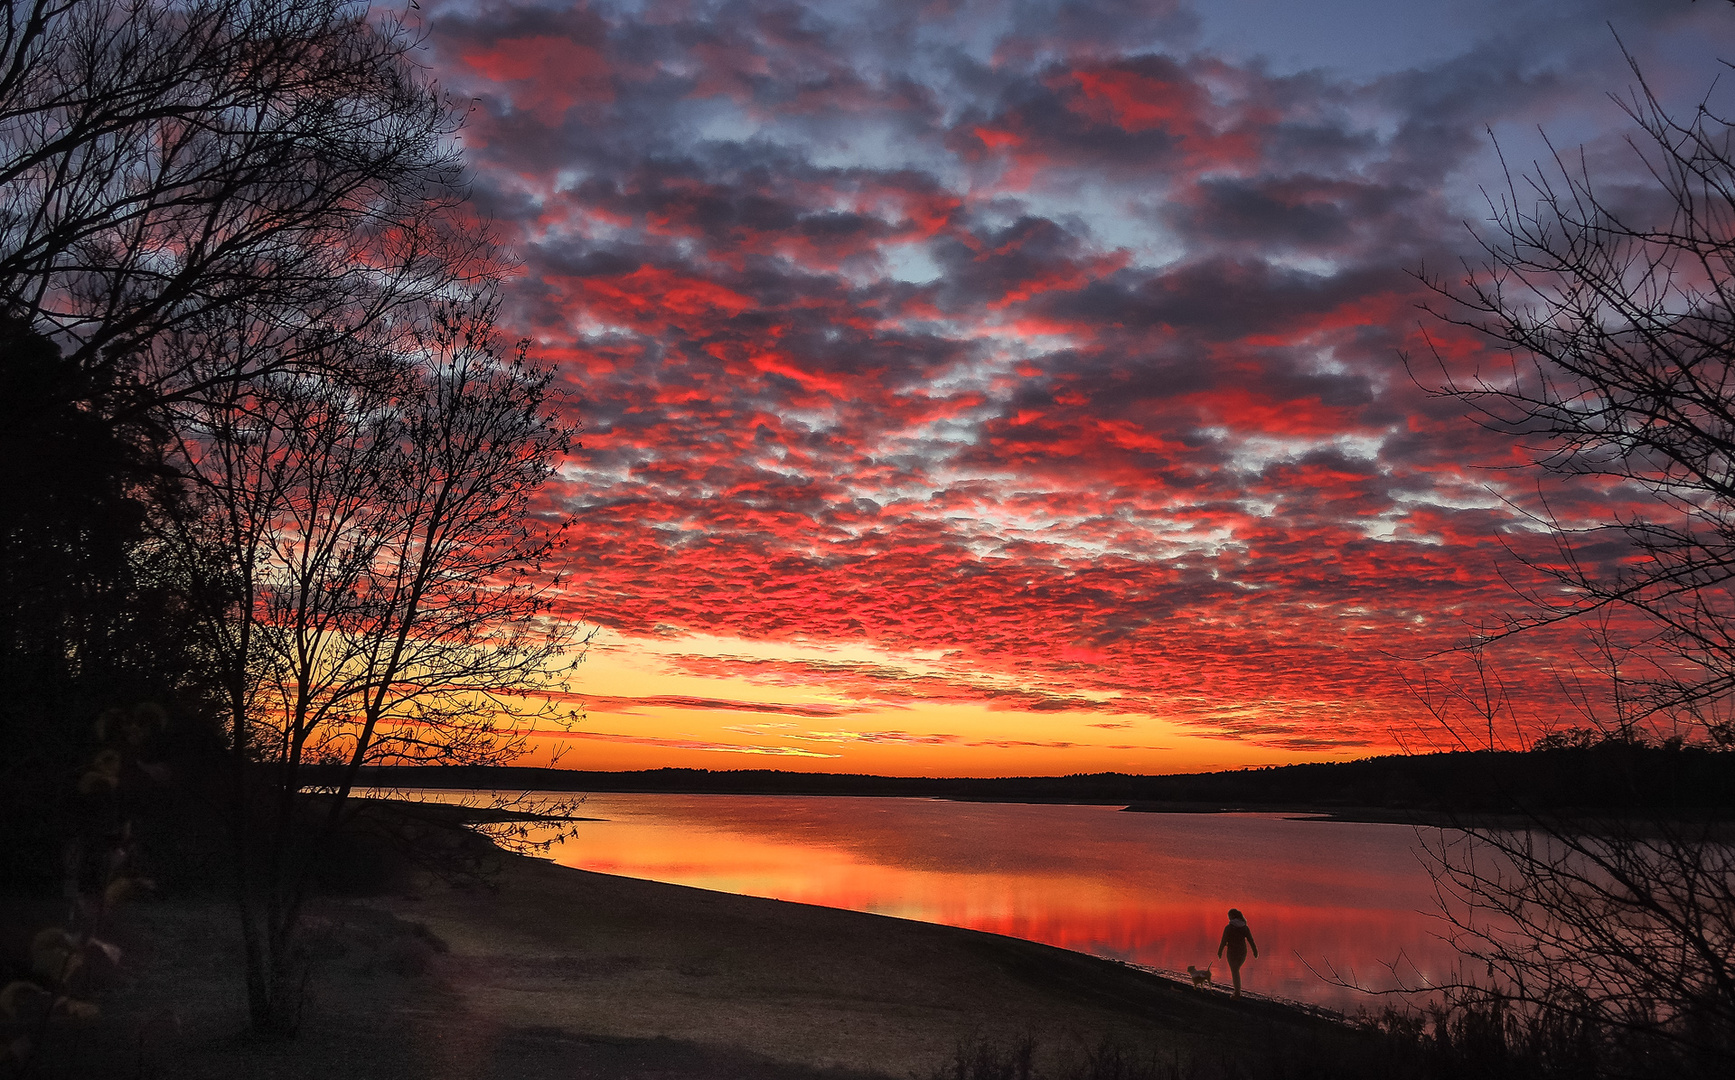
[162, 161]
[230, 232]
[1616, 309]
[193, 192]
[385, 588]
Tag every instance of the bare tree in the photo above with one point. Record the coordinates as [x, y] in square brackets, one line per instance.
[195, 192]
[164, 160]
[1619, 322]
[241, 222]
[1615, 307]
[385, 587]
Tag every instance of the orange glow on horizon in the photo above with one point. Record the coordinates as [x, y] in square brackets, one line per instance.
[643, 711]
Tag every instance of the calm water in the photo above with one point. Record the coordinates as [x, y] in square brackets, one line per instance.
[1152, 889]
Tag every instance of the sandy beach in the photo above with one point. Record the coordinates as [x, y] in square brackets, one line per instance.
[549, 971]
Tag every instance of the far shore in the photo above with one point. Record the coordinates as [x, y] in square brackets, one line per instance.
[1373, 815]
[1569, 818]
[1493, 788]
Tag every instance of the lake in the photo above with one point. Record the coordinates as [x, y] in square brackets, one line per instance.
[1151, 889]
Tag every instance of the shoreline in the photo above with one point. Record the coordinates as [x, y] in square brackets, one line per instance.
[807, 986]
[454, 813]
[542, 971]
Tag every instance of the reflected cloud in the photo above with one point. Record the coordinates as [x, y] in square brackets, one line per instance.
[1149, 889]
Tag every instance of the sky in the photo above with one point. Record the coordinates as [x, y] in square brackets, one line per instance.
[1006, 388]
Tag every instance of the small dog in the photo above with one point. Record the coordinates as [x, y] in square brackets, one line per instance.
[1200, 978]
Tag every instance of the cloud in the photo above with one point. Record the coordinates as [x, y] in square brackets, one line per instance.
[674, 743]
[606, 703]
[1028, 336]
[903, 738]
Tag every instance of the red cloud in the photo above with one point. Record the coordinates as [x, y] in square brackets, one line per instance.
[1075, 374]
[546, 76]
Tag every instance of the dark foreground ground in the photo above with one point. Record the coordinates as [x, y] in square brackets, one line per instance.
[553, 972]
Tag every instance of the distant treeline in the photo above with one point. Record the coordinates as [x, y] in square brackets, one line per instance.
[1609, 777]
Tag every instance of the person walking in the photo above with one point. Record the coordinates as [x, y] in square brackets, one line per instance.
[1236, 941]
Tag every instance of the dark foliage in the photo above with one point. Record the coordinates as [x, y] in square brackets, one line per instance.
[85, 626]
[1464, 1041]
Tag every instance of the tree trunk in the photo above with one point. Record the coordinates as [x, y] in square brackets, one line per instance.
[276, 975]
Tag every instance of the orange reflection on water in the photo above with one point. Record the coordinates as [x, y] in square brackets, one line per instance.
[1151, 889]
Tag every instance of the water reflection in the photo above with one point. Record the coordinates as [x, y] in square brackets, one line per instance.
[1148, 888]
